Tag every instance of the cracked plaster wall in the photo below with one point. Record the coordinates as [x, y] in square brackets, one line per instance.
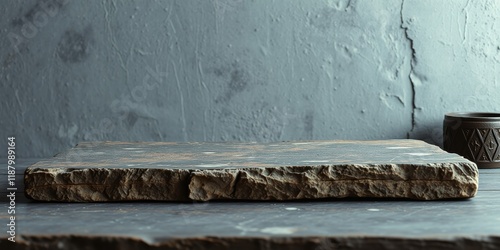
[218, 70]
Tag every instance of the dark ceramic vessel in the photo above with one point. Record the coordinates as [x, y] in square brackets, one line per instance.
[475, 136]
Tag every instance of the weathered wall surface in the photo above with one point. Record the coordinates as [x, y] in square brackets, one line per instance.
[456, 60]
[218, 70]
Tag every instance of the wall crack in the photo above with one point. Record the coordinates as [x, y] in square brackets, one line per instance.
[404, 27]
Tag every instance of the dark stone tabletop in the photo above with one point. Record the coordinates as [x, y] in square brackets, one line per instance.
[320, 224]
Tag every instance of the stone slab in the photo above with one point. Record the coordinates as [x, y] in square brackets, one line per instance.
[311, 224]
[167, 171]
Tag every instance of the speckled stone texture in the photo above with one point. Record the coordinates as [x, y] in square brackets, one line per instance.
[243, 243]
[127, 171]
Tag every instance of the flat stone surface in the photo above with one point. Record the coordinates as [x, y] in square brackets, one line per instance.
[312, 224]
[348, 224]
[128, 171]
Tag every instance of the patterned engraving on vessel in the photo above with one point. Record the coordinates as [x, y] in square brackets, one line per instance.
[490, 145]
[483, 133]
[467, 133]
[496, 132]
[476, 137]
[483, 157]
[474, 144]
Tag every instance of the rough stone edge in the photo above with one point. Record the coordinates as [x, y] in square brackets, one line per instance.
[46, 242]
[147, 184]
[457, 180]
[187, 186]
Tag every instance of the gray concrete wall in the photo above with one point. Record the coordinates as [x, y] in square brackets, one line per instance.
[218, 70]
